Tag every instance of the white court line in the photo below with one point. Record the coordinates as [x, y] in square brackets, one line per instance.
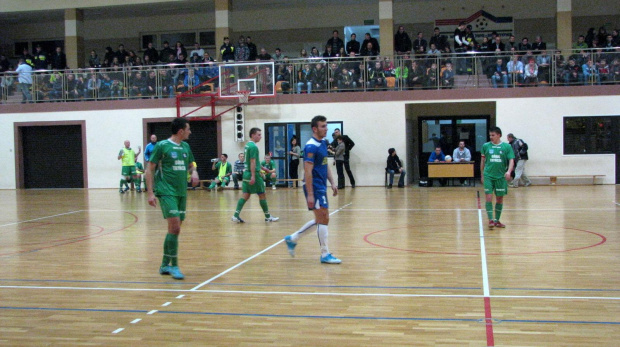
[36, 219]
[135, 320]
[617, 203]
[258, 292]
[152, 312]
[483, 256]
[118, 330]
[252, 257]
[167, 303]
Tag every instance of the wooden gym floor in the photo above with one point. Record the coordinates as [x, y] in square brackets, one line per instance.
[420, 268]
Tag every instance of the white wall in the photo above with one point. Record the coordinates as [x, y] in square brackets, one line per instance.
[374, 126]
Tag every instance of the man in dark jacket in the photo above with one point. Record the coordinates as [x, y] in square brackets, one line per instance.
[353, 45]
[402, 42]
[394, 165]
[59, 59]
[348, 145]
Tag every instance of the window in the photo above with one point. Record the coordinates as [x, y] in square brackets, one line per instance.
[590, 135]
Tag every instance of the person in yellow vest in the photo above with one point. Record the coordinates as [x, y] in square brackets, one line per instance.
[189, 175]
[128, 159]
[224, 172]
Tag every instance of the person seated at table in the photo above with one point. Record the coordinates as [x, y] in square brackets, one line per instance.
[461, 154]
[394, 165]
[437, 156]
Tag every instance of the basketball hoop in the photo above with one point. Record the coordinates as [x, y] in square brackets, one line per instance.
[244, 96]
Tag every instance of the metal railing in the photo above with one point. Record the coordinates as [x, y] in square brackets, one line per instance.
[329, 75]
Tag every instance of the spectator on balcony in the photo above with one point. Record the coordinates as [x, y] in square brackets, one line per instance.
[369, 50]
[402, 74]
[470, 39]
[581, 43]
[151, 53]
[604, 71]
[544, 63]
[286, 76]
[388, 67]
[305, 79]
[58, 59]
[333, 74]
[137, 85]
[375, 45]
[420, 45]
[164, 54]
[179, 49]
[329, 53]
[524, 45]
[106, 86]
[538, 46]
[342, 53]
[614, 71]
[93, 60]
[108, 57]
[252, 49]
[431, 77]
[531, 73]
[416, 75]
[57, 82]
[515, 69]
[447, 77]
[277, 56]
[121, 54]
[130, 60]
[40, 59]
[512, 44]
[439, 40]
[602, 34]
[314, 53]
[166, 84]
[74, 88]
[402, 42]
[433, 52]
[615, 38]
[146, 61]
[346, 80]
[496, 45]
[93, 86]
[138, 63]
[227, 50]
[319, 80]
[335, 42]
[199, 51]
[151, 84]
[353, 45]
[376, 76]
[303, 54]
[590, 73]
[572, 73]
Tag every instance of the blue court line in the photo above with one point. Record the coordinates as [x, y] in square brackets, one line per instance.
[87, 281]
[229, 314]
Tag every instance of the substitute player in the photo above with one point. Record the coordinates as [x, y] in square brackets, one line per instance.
[128, 159]
[496, 165]
[252, 181]
[166, 179]
[317, 173]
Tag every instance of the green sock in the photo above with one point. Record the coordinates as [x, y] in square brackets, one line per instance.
[173, 247]
[265, 207]
[212, 185]
[122, 182]
[137, 182]
[489, 207]
[166, 259]
[240, 204]
[498, 210]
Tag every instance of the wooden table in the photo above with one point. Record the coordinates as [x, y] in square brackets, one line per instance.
[451, 170]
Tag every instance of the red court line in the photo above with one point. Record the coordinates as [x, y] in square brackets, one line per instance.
[488, 321]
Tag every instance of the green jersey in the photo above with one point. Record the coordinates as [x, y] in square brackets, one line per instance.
[173, 161]
[251, 152]
[496, 158]
[270, 166]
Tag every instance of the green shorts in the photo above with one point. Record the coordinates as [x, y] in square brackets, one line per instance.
[257, 188]
[173, 206]
[497, 186]
[128, 171]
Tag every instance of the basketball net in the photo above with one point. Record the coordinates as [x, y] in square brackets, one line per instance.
[244, 96]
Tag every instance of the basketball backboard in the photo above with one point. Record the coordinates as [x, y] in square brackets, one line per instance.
[258, 78]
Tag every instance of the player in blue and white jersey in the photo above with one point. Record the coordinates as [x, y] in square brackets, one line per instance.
[317, 173]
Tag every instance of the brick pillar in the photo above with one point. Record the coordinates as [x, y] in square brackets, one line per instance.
[222, 24]
[386, 26]
[564, 22]
[74, 41]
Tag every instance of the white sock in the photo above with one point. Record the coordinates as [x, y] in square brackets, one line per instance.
[297, 235]
[321, 231]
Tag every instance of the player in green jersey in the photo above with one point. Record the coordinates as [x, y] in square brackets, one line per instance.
[166, 179]
[128, 173]
[252, 180]
[496, 166]
[268, 169]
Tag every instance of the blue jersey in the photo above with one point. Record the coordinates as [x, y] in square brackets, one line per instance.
[315, 152]
[148, 151]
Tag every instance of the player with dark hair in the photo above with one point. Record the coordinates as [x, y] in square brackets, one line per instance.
[496, 166]
[317, 173]
[166, 179]
[252, 181]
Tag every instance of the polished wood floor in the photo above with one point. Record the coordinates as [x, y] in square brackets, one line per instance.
[79, 267]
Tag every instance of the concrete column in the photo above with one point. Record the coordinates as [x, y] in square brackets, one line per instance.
[74, 41]
[386, 26]
[222, 24]
[564, 22]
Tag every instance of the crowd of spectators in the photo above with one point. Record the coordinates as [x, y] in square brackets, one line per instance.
[415, 63]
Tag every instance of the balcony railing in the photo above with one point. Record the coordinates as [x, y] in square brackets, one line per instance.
[328, 75]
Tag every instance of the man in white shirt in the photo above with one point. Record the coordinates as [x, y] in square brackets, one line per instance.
[24, 78]
[461, 154]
